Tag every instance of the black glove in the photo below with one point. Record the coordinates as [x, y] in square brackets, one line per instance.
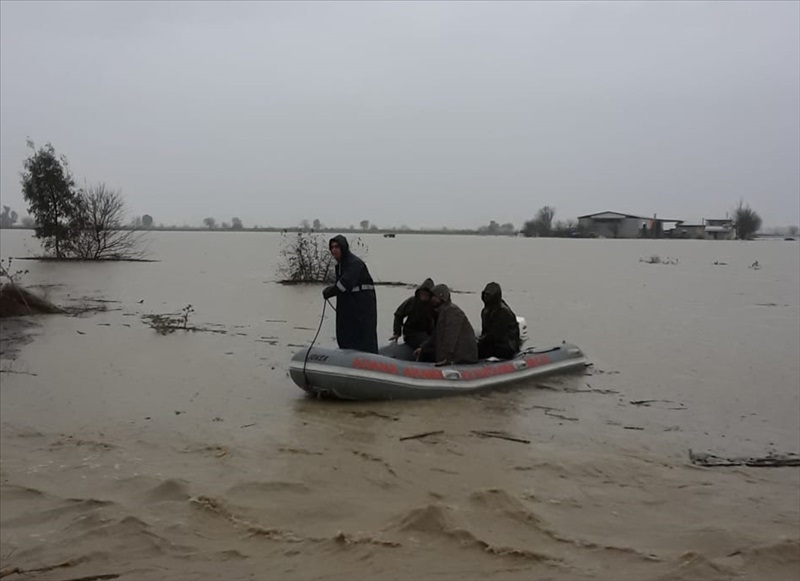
[329, 292]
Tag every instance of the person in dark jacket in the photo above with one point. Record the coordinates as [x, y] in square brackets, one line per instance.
[453, 339]
[356, 305]
[499, 328]
[414, 318]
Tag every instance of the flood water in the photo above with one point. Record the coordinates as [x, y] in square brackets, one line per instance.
[195, 452]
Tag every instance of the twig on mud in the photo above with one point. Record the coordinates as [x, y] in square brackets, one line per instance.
[632, 428]
[95, 577]
[647, 402]
[591, 390]
[21, 571]
[18, 372]
[422, 435]
[546, 386]
[769, 461]
[545, 408]
[559, 416]
[499, 436]
[370, 413]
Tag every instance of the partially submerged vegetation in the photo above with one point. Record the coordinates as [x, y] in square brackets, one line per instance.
[16, 301]
[164, 324]
[168, 323]
[305, 259]
[83, 224]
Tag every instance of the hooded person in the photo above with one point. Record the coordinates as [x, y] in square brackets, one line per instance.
[356, 304]
[453, 339]
[499, 328]
[414, 318]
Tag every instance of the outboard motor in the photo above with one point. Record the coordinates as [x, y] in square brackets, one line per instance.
[523, 330]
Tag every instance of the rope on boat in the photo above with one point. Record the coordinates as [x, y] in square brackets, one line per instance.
[319, 328]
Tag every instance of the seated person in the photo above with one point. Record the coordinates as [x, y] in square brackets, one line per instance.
[453, 339]
[499, 329]
[417, 312]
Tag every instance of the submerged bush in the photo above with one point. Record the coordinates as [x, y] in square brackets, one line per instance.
[305, 258]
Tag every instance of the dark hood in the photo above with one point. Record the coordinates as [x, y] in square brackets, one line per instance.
[426, 285]
[492, 294]
[441, 291]
[342, 242]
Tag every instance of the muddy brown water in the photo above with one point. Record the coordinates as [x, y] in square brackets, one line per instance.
[193, 455]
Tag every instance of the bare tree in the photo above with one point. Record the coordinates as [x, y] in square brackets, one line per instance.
[210, 223]
[746, 221]
[147, 221]
[364, 224]
[101, 234]
[236, 223]
[793, 230]
[542, 224]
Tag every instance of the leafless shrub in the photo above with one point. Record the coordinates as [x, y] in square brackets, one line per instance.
[13, 277]
[169, 323]
[305, 258]
[101, 230]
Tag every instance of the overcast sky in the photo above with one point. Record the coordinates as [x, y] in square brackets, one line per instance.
[425, 114]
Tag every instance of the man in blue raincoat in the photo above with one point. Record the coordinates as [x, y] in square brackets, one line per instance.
[356, 304]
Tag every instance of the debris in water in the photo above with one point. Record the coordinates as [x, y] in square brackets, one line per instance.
[559, 416]
[771, 460]
[647, 402]
[499, 436]
[422, 435]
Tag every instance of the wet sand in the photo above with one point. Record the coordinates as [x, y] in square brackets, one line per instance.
[194, 456]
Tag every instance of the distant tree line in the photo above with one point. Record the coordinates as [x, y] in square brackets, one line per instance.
[234, 224]
[67, 219]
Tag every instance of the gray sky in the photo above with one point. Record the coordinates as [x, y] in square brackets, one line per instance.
[424, 114]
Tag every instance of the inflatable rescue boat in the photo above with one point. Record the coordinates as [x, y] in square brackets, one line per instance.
[393, 374]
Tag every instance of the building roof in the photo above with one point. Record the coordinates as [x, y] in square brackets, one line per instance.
[609, 215]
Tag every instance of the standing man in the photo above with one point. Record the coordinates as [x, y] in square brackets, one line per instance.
[356, 305]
